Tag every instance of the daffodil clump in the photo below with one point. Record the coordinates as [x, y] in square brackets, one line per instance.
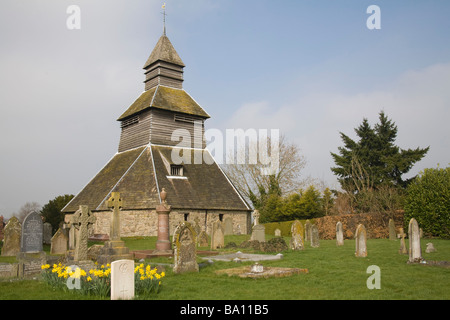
[147, 280]
[98, 281]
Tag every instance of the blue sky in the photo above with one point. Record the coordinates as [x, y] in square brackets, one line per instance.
[308, 68]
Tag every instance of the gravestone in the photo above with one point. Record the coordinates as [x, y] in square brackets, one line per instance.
[59, 242]
[122, 280]
[277, 233]
[307, 231]
[217, 235]
[339, 234]
[203, 239]
[392, 233]
[12, 234]
[228, 226]
[296, 236]
[185, 249]
[415, 251]
[402, 236]
[314, 236]
[32, 233]
[114, 249]
[430, 248]
[361, 241]
[255, 217]
[47, 233]
[2, 225]
[258, 233]
[82, 219]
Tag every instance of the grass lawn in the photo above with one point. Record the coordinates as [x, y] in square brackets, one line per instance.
[334, 273]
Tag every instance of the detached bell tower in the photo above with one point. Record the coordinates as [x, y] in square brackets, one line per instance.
[143, 164]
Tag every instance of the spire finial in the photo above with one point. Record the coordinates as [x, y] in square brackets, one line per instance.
[164, 14]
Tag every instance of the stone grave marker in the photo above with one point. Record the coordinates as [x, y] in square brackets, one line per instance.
[307, 231]
[392, 233]
[296, 236]
[415, 251]
[2, 225]
[259, 233]
[32, 233]
[82, 219]
[361, 241]
[402, 236]
[122, 280]
[47, 233]
[277, 233]
[228, 226]
[217, 235]
[314, 236]
[12, 234]
[203, 239]
[185, 249]
[339, 234]
[59, 242]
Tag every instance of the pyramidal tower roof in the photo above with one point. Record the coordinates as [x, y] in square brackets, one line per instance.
[164, 51]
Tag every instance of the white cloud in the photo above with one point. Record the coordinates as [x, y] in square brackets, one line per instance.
[418, 101]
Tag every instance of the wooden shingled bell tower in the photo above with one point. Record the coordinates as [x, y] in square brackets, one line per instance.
[199, 193]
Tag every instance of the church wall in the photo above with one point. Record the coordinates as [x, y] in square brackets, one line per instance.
[135, 223]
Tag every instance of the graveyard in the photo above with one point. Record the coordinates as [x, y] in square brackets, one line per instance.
[334, 272]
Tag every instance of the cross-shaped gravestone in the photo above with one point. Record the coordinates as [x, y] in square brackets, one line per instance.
[402, 236]
[115, 203]
[81, 220]
[256, 217]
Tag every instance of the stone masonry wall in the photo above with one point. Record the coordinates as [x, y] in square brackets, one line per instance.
[376, 224]
[145, 222]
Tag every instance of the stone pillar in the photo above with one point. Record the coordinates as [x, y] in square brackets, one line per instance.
[163, 210]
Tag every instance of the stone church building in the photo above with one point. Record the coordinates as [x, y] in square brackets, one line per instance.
[198, 191]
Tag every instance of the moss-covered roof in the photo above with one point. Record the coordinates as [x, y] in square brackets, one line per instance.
[134, 174]
[164, 51]
[165, 98]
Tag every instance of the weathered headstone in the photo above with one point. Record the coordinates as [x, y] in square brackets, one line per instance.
[217, 235]
[277, 233]
[402, 236]
[47, 233]
[59, 242]
[415, 251]
[430, 248]
[12, 235]
[314, 236]
[296, 236]
[114, 249]
[122, 280]
[203, 239]
[2, 225]
[361, 241]
[185, 249]
[82, 219]
[392, 233]
[228, 226]
[307, 231]
[255, 217]
[258, 233]
[32, 233]
[339, 234]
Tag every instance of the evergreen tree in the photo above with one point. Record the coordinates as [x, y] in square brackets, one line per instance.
[374, 159]
[52, 211]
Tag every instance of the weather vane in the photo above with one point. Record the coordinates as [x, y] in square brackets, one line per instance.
[164, 14]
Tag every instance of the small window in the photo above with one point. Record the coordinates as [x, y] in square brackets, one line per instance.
[186, 215]
[176, 170]
[221, 217]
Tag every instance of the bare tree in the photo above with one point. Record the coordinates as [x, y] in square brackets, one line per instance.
[251, 176]
[26, 209]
